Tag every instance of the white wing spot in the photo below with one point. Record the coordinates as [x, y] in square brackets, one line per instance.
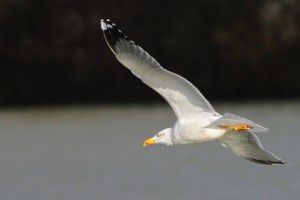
[120, 31]
[108, 20]
[103, 25]
[113, 24]
[109, 26]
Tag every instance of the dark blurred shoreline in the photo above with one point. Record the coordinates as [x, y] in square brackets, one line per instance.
[153, 104]
[52, 52]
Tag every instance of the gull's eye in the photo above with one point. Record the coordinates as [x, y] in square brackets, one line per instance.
[159, 134]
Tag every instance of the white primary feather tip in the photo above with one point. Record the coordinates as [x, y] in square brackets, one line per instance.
[103, 25]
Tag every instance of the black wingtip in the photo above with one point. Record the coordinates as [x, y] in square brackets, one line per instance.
[112, 33]
[265, 162]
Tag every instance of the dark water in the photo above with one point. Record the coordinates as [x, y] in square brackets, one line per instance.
[89, 153]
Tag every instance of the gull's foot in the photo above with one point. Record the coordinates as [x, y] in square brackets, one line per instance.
[237, 127]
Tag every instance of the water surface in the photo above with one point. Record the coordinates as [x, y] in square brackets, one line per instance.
[96, 152]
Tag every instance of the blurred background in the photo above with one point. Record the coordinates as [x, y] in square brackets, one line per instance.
[72, 119]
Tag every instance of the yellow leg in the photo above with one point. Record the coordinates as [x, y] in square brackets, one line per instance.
[237, 127]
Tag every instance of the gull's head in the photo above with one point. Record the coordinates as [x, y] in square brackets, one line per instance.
[162, 137]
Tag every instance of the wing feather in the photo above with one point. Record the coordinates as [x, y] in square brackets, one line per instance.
[248, 146]
[184, 98]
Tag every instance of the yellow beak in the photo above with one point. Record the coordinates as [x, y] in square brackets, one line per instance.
[148, 142]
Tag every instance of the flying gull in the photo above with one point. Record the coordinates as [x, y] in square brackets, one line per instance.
[197, 120]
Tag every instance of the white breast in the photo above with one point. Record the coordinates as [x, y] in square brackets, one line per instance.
[194, 132]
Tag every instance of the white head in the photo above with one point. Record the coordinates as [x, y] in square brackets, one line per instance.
[162, 137]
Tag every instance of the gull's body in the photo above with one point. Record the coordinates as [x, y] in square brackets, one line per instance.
[194, 131]
[197, 120]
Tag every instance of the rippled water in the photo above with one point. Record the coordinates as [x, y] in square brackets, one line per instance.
[96, 153]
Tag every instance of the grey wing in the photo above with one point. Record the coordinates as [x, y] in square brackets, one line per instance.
[184, 98]
[248, 146]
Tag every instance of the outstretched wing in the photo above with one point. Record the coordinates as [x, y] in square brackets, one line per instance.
[248, 146]
[183, 97]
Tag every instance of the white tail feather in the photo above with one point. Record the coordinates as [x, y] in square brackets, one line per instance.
[229, 119]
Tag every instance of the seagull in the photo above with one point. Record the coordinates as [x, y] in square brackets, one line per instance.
[197, 121]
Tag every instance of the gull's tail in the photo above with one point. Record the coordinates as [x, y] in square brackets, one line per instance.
[236, 123]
